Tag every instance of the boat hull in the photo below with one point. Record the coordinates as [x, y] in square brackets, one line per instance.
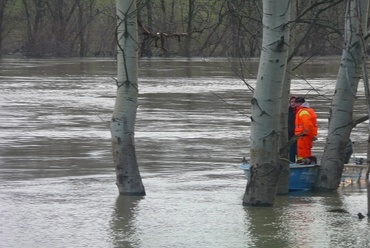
[302, 177]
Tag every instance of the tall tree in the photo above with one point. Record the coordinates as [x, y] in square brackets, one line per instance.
[189, 27]
[265, 169]
[283, 186]
[2, 11]
[34, 23]
[341, 114]
[122, 126]
[86, 12]
[145, 45]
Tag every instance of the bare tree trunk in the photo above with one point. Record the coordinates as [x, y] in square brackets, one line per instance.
[265, 170]
[189, 27]
[124, 114]
[215, 31]
[81, 28]
[166, 28]
[341, 114]
[283, 186]
[146, 49]
[367, 94]
[34, 21]
[234, 25]
[171, 23]
[368, 196]
[2, 10]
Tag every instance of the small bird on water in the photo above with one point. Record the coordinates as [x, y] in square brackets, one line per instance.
[360, 216]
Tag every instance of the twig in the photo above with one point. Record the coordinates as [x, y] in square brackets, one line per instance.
[291, 141]
[229, 104]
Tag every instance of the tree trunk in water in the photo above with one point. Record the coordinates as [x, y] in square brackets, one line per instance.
[368, 196]
[283, 186]
[265, 169]
[341, 113]
[367, 94]
[124, 114]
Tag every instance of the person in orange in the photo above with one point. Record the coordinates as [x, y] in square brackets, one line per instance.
[306, 128]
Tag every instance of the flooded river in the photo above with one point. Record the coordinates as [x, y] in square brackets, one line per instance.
[57, 181]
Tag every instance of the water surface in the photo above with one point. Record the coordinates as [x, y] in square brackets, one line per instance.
[57, 186]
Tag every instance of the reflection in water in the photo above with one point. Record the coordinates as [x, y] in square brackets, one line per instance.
[266, 227]
[302, 219]
[123, 226]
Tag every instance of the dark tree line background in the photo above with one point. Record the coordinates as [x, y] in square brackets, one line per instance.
[190, 28]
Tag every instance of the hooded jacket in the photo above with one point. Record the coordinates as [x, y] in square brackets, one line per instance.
[306, 119]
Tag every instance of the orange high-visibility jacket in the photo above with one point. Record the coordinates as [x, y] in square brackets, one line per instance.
[306, 119]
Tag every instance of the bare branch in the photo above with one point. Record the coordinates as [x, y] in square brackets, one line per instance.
[290, 142]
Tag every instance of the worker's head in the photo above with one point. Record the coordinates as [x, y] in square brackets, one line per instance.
[299, 100]
[292, 101]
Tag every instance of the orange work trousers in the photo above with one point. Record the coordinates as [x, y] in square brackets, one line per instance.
[304, 146]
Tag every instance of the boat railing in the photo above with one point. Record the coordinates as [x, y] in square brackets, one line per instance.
[353, 172]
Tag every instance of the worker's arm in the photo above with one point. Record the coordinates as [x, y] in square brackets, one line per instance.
[307, 124]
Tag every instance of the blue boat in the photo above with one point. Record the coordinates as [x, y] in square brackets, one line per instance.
[302, 177]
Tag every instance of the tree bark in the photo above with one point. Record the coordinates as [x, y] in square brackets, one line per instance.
[2, 10]
[283, 186]
[189, 28]
[265, 170]
[341, 113]
[124, 115]
[146, 50]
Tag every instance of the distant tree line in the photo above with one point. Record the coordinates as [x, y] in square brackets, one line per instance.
[190, 28]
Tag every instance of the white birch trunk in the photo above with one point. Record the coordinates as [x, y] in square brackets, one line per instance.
[265, 170]
[283, 186]
[122, 127]
[341, 114]
[367, 94]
